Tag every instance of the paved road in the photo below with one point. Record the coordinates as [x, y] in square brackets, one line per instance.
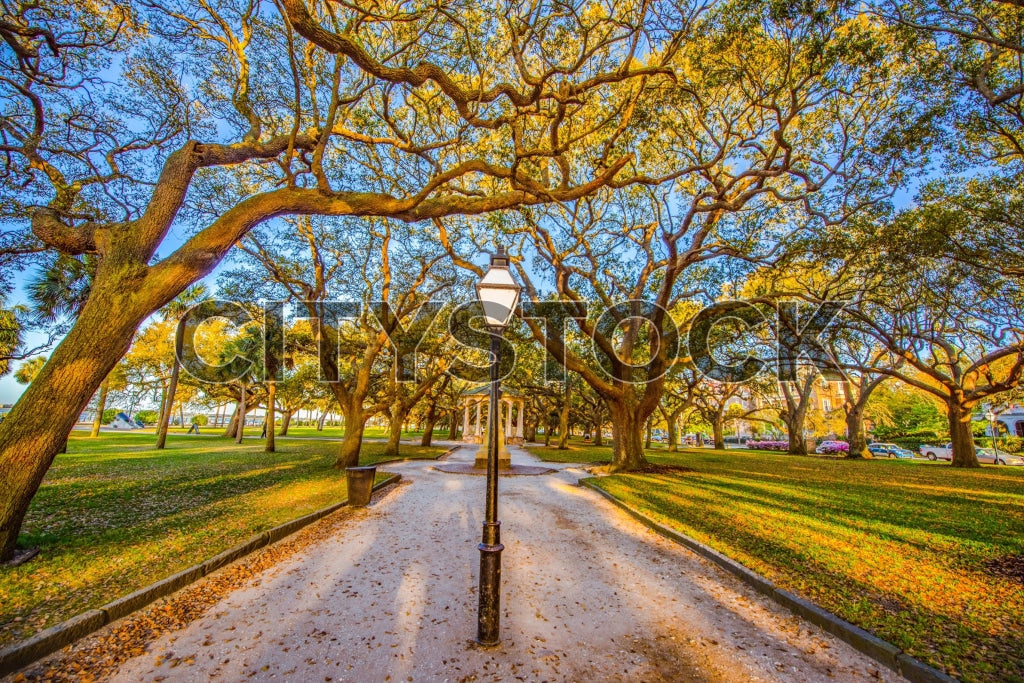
[588, 595]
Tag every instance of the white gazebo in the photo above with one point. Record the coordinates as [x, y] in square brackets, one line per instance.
[476, 402]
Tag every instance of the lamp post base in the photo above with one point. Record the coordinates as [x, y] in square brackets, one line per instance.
[488, 616]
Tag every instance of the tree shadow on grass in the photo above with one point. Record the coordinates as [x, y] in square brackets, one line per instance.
[964, 639]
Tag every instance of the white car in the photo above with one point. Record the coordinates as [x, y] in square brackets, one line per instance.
[988, 456]
[937, 452]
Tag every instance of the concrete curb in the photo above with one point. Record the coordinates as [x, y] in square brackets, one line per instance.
[61, 635]
[881, 651]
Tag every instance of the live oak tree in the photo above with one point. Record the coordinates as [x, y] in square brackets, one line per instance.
[956, 329]
[794, 406]
[127, 122]
[849, 355]
[969, 59]
[951, 328]
[858, 387]
[361, 290]
[433, 397]
[414, 381]
[299, 389]
[969, 56]
[678, 400]
[773, 113]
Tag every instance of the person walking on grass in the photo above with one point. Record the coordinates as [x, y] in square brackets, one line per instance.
[194, 429]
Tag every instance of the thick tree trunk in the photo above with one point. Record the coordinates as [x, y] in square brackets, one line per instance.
[172, 389]
[395, 432]
[428, 431]
[795, 430]
[38, 426]
[355, 422]
[232, 428]
[855, 432]
[648, 433]
[673, 432]
[598, 437]
[428, 425]
[271, 394]
[453, 425]
[563, 423]
[240, 428]
[719, 431]
[547, 434]
[101, 405]
[797, 397]
[286, 420]
[322, 420]
[627, 438]
[960, 434]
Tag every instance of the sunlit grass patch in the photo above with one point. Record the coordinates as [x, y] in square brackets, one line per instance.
[575, 453]
[897, 548]
[115, 515]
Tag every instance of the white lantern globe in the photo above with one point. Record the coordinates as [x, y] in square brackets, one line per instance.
[498, 291]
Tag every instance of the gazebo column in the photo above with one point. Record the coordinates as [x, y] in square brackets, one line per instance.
[508, 419]
[479, 426]
[465, 420]
[520, 419]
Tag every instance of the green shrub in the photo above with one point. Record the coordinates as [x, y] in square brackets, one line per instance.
[147, 417]
[200, 420]
[1010, 444]
[108, 415]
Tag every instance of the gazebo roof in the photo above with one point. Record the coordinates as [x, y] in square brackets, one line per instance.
[485, 390]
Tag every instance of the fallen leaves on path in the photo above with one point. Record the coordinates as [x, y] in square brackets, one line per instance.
[98, 656]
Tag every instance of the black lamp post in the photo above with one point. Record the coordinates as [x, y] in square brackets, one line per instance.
[991, 415]
[499, 293]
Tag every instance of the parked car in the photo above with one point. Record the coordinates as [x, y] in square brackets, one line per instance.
[937, 452]
[988, 456]
[833, 447]
[889, 450]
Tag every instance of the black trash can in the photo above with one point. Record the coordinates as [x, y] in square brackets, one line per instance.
[360, 484]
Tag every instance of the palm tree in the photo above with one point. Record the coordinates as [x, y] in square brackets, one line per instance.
[62, 288]
[10, 337]
[60, 291]
[28, 370]
[176, 310]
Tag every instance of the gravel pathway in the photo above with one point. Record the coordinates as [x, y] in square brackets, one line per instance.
[588, 594]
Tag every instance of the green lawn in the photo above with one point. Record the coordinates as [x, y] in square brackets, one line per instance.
[368, 433]
[115, 515]
[899, 548]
